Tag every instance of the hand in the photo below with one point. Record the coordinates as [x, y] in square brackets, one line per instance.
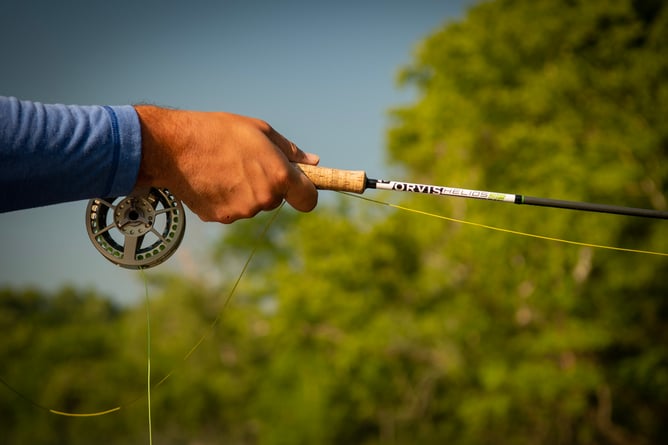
[222, 166]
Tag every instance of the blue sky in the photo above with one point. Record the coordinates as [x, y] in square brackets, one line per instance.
[321, 73]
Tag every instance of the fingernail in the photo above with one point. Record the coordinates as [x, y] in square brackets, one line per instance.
[312, 158]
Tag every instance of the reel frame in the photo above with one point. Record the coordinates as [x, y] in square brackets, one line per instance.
[139, 231]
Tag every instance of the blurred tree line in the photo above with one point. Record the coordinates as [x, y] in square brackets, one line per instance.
[362, 324]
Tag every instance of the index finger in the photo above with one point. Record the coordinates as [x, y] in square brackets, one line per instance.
[290, 150]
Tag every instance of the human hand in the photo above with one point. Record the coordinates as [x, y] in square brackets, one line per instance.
[222, 166]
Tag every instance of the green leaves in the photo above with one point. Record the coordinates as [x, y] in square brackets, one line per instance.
[359, 323]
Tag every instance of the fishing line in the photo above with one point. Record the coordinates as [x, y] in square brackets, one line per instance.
[504, 230]
[148, 375]
[230, 294]
[149, 385]
[148, 355]
[145, 228]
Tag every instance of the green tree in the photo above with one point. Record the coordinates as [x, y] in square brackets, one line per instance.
[363, 324]
[394, 328]
[565, 99]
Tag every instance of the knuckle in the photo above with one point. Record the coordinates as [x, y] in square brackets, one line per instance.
[282, 178]
[205, 217]
[269, 201]
[246, 212]
[226, 218]
[263, 126]
[221, 215]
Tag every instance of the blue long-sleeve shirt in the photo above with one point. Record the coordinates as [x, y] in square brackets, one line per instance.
[58, 153]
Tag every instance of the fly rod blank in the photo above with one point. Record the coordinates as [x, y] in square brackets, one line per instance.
[357, 182]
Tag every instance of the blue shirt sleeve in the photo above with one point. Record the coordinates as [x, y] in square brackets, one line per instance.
[58, 153]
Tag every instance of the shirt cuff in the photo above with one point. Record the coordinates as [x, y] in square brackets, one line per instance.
[127, 158]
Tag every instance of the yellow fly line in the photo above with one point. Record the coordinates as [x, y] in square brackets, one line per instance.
[245, 266]
[510, 231]
[197, 344]
[95, 414]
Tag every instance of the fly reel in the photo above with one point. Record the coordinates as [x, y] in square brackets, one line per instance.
[138, 231]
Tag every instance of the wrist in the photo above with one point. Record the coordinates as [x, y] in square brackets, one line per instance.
[156, 144]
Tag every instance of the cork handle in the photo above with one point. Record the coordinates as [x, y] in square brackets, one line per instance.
[333, 179]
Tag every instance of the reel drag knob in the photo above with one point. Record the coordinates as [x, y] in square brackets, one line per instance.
[138, 231]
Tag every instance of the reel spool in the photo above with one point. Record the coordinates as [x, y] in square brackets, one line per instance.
[138, 231]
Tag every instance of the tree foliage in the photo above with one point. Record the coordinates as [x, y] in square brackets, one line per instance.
[363, 324]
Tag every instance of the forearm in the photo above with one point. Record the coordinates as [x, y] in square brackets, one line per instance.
[223, 166]
[57, 153]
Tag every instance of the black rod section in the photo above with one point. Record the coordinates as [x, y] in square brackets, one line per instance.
[592, 207]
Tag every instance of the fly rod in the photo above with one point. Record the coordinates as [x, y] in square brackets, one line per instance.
[146, 227]
[356, 181]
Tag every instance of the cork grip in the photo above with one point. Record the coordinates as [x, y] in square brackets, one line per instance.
[333, 179]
